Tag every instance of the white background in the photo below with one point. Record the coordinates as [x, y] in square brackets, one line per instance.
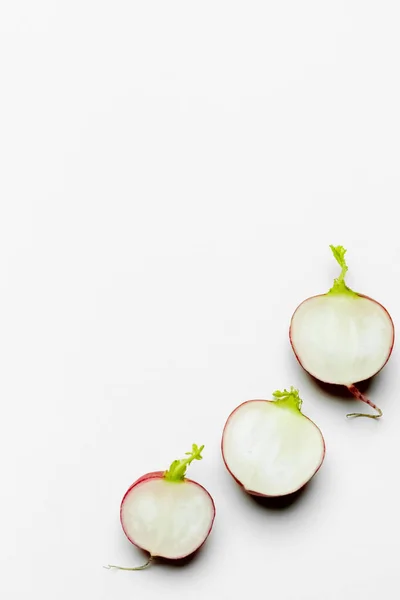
[172, 174]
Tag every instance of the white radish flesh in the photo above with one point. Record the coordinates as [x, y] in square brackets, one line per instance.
[167, 518]
[342, 337]
[270, 447]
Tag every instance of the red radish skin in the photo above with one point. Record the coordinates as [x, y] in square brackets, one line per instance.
[171, 485]
[294, 404]
[340, 288]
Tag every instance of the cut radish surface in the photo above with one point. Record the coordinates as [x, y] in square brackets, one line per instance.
[271, 448]
[342, 337]
[166, 514]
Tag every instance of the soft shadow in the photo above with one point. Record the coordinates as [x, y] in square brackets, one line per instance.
[181, 562]
[341, 391]
[341, 395]
[188, 560]
[280, 503]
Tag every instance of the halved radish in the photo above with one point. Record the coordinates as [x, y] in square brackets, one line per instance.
[342, 337]
[269, 447]
[166, 514]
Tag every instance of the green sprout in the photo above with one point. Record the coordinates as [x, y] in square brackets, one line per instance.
[177, 470]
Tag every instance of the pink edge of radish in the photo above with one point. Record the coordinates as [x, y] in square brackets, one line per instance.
[331, 342]
[166, 514]
[270, 448]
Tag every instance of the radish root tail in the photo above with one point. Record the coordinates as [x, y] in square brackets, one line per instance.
[147, 564]
[357, 394]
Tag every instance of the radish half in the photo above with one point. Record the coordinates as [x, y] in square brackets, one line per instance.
[270, 448]
[166, 514]
[342, 337]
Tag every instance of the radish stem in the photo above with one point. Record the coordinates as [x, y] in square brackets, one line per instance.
[339, 284]
[177, 470]
[357, 394]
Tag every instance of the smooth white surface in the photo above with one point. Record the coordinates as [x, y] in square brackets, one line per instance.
[270, 449]
[172, 174]
[167, 519]
[341, 339]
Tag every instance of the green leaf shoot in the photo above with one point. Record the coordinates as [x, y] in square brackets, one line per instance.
[177, 470]
[288, 399]
[339, 284]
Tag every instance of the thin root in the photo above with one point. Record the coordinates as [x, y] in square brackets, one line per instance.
[357, 394]
[147, 564]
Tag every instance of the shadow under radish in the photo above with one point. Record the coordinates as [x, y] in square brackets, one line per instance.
[188, 561]
[178, 563]
[281, 503]
[341, 392]
[342, 395]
